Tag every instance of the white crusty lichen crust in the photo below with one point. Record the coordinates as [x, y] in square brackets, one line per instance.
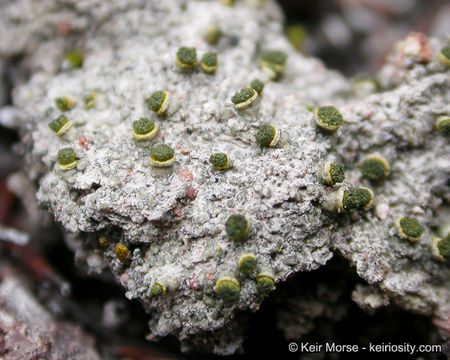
[173, 219]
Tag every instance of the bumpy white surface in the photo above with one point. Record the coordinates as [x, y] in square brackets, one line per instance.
[173, 219]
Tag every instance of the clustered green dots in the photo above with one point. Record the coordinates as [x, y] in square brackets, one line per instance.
[247, 264]
[333, 173]
[209, 62]
[121, 251]
[66, 159]
[60, 125]
[237, 227]
[162, 155]
[144, 129]
[213, 35]
[220, 161]
[444, 56]
[228, 289]
[244, 98]
[273, 62]
[328, 118]
[186, 58]
[361, 198]
[257, 85]
[265, 283]
[73, 60]
[157, 289]
[409, 228]
[375, 167]
[443, 125]
[63, 103]
[267, 135]
[158, 101]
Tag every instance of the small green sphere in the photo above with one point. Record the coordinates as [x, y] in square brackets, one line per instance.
[247, 263]
[265, 285]
[375, 168]
[444, 248]
[158, 102]
[443, 125]
[361, 198]
[186, 57]
[220, 161]
[60, 125]
[228, 289]
[162, 155]
[267, 135]
[144, 129]
[328, 118]
[209, 62]
[158, 289]
[409, 228]
[244, 98]
[63, 103]
[66, 158]
[237, 227]
[444, 56]
[213, 35]
[257, 85]
[73, 60]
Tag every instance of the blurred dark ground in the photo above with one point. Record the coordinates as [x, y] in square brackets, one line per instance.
[352, 36]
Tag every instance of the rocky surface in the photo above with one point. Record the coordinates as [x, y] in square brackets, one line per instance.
[172, 219]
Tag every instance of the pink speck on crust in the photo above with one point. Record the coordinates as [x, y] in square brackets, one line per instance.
[64, 28]
[177, 212]
[191, 193]
[83, 142]
[186, 175]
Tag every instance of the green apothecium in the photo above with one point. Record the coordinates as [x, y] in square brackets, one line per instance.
[213, 35]
[244, 98]
[158, 101]
[328, 118]
[375, 167]
[444, 56]
[209, 62]
[265, 283]
[237, 227]
[63, 103]
[144, 129]
[443, 125]
[60, 125]
[257, 85]
[361, 198]
[247, 263]
[228, 289]
[333, 173]
[186, 58]
[409, 228]
[267, 135]
[273, 62]
[158, 288]
[121, 251]
[162, 155]
[66, 159]
[220, 161]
